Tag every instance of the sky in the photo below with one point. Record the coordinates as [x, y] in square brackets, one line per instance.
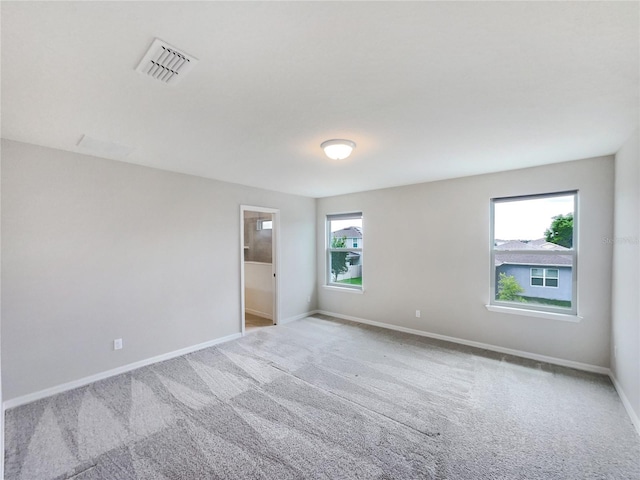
[514, 220]
[340, 224]
[528, 219]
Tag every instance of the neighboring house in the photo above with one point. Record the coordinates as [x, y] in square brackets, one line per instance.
[542, 276]
[353, 239]
[352, 234]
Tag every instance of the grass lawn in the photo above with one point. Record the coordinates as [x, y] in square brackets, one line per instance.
[546, 301]
[352, 281]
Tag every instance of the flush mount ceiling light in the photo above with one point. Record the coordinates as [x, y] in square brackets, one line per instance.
[338, 149]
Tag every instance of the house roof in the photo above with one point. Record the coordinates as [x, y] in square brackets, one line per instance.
[533, 259]
[349, 232]
[513, 245]
[555, 259]
[542, 243]
[539, 244]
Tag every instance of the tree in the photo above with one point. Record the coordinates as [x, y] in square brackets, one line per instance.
[339, 259]
[509, 289]
[561, 230]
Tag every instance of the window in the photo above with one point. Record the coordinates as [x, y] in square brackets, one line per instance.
[265, 224]
[533, 254]
[544, 277]
[344, 250]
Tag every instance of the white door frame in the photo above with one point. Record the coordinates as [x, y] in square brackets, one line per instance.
[275, 259]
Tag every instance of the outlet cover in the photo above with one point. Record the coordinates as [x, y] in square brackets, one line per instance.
[417, 313]
[117, 344]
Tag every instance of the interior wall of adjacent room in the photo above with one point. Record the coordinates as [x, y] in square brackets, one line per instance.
[95, 250]
[1, 394]
[625, 340]
[258, 279]
[427, 248]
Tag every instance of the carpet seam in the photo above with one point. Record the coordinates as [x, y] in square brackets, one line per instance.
[428, 435]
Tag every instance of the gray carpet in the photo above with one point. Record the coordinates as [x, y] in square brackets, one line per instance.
[322, 398]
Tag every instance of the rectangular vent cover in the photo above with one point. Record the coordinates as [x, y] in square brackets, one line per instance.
[165, 63]
[103, 148]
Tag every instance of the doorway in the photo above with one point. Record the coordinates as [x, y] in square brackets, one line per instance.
[258, 267]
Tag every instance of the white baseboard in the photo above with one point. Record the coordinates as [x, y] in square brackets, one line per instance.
[470, 343]
[258, 313]
[625, 401]
[47, 392]
[297, 317]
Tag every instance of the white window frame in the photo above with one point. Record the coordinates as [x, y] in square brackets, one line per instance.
[328, 276]
[522, 308]
[544, 277]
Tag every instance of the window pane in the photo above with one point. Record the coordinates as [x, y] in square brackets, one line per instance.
[346, 267]
[545, 223]
[515, 281]
[345, 234]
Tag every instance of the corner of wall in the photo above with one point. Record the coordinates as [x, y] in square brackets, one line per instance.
[625, 304]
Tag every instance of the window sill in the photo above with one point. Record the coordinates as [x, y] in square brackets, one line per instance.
[534, 313]
[343, 289]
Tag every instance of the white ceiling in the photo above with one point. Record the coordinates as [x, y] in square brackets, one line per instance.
[427, 90]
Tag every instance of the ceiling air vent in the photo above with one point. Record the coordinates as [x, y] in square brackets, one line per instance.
[165, 63]
[103, 148]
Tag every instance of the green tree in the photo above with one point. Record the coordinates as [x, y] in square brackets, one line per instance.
[561, 230]
[509, 289]
[339, 259]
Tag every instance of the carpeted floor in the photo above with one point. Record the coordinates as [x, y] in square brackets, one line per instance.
[322, 398]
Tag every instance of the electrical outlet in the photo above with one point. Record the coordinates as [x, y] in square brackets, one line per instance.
[117, 344]
[417, 313]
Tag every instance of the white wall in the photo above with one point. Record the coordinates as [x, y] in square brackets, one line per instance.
[443, 269]
[1, 395]
[625, 359]
[94, 250]
[258, 289]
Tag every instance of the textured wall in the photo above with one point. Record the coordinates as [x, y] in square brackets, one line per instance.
[95, 250]
[443, 267]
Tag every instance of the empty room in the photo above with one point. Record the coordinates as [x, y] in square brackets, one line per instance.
[304, 240]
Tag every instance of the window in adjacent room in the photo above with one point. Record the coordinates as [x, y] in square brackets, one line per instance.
[265, 225]
[344, 250]
[533, 252]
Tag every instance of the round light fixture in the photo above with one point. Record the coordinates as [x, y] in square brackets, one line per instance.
[338, 149]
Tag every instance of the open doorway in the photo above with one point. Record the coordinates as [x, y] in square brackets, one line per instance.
[258, 262]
